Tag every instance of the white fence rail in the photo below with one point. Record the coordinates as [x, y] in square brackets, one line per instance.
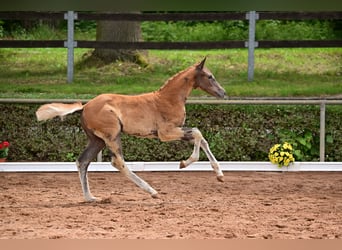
[168, 166]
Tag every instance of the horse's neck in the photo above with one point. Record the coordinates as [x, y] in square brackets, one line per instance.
[178, 87]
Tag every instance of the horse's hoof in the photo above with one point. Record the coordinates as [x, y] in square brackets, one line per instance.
[220, 178]
[91, 199]
[154, 196]
[182, 164]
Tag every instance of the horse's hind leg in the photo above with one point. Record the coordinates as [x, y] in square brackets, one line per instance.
[119, 163]
[95, 145]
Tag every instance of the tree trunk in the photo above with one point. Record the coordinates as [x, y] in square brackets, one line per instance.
[119, 31]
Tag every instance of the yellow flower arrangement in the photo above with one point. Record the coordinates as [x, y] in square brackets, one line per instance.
[281, 154]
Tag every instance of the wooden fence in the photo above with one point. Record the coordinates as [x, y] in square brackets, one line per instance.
[249, 43]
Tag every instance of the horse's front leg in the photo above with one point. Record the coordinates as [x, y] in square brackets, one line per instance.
[195, 136]
[214, 163]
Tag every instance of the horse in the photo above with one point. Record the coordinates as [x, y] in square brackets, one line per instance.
[159, 114]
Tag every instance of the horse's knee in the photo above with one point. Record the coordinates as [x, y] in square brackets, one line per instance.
[197, 135]
[197, 132]
[204, 143]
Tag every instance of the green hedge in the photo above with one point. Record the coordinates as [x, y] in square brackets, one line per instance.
[234, 133]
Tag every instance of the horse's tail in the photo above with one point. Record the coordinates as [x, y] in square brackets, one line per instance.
[49, 111]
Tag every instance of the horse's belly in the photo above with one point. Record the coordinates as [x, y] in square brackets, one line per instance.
[139, 126]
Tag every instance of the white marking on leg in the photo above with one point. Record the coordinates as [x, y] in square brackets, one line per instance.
[122, 167]
[195, 154]
[214, 163]
[84, 182]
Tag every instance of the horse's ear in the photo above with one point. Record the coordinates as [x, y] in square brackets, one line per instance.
[201, 64]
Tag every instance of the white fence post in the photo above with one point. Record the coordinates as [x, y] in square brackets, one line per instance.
[322, 133]
[70, 16]
[252, 16]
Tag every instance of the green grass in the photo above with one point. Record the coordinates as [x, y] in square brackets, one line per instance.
[41, 73]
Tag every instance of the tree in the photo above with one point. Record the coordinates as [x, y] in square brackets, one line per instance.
[119, 31]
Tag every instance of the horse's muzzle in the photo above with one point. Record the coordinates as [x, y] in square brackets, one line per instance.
[221, 94]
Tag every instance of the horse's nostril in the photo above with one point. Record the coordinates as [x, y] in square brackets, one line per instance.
[221, 94]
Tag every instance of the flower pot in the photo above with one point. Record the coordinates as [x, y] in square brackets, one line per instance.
[2, 159]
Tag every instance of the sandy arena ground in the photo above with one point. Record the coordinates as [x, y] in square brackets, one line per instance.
[191, 205]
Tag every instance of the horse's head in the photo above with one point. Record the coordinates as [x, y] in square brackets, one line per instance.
[206, 81]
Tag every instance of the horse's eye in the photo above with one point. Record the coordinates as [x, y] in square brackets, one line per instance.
[210, 77]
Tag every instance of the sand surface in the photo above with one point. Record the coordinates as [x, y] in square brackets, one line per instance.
[191, 205]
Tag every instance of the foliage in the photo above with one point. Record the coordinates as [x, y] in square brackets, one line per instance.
[305, 142]
[234, 133]
[294, 30]
[281, 154]
[186, 30]
[4, 146]
[1, 29]
[37, 32]
[238, 30]
[194, 31]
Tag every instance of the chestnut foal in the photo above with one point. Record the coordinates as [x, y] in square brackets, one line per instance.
[159, 114]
